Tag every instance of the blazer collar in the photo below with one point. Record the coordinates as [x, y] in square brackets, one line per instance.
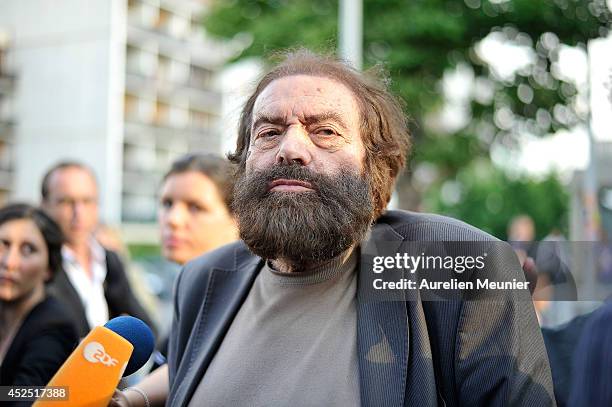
[226, 291]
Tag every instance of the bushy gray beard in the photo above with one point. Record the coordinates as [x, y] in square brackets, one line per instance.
[303, 228]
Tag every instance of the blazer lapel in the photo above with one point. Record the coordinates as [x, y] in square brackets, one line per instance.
[225, 294]
[382, 330]
[63, 290]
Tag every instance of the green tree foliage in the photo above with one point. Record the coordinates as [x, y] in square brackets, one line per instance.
[418, 41]
[484, 195]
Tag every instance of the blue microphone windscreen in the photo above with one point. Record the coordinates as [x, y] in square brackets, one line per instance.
[139, 335]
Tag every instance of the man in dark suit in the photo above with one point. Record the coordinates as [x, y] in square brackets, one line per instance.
[286, 317]
[92, 283]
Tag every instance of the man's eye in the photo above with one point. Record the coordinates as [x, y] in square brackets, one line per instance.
[325, 131]
[268, 133]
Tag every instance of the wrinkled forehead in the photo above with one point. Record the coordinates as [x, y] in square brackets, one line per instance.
[301, 95]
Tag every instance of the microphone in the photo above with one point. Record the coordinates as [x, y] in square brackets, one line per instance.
[91, 373]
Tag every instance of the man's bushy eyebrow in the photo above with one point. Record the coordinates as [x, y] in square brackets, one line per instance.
[308, 120]
[325, 116]
[264, 118]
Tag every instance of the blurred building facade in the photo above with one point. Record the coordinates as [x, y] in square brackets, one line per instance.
[124, 86]
[6, 123]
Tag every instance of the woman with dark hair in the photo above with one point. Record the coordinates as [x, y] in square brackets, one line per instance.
[194, 217]
[36, 336]
[194, 207]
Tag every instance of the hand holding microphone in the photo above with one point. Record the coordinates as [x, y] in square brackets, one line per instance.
[107, 353]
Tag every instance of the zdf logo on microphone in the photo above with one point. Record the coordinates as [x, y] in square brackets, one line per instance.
[94, 352]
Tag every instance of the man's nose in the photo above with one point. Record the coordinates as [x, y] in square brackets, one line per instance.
[77, 209]
[295, 147]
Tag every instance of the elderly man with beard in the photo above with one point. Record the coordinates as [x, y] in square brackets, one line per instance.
[279, 319]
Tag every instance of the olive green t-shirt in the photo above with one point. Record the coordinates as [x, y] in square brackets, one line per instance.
[292, 343]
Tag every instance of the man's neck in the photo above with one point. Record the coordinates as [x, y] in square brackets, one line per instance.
[289, 266]
[82, 253]
[80, 248]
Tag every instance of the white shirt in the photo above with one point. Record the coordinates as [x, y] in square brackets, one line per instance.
[90, 290]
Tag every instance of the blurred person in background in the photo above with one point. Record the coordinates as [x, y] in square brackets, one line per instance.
[93, 283]
[194, 217]
[36, 335]
[521, 235]
[592, 372]
[561, 345]
[553, 262]
[194, 214]
[110, 238]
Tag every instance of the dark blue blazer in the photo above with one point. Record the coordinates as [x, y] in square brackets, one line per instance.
[411, 353]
